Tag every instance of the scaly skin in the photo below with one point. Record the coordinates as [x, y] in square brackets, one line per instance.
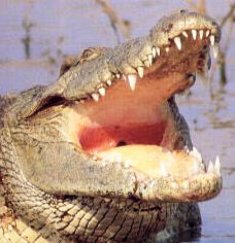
[66, 195]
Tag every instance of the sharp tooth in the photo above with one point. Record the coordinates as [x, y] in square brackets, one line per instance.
[212, 40]
[109, 82]
[132, 81]
[185, 34]
[146, 63]
[215, 50]
[167, 49]
[185, 185]
[158, 51]
[154, 52]
[194, 34]
[140, 71]
[127, 164]
[118, 158]
[210, 168]
[95, 97]
[150, 59]
[217, 165]
[201, 34]
[207, 33]
[118, 75]
[178, 43]
[124, 77]
[102, 91]
[174, 185]
[163, 170]
[196, 154]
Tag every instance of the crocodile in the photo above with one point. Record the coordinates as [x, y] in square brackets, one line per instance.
[104, 154]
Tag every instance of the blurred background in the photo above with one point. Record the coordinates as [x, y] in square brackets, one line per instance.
[35, 36]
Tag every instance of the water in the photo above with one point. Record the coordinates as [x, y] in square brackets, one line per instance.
[66, 27]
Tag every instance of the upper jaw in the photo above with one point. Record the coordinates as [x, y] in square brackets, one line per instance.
[177, 24]
[133, 57]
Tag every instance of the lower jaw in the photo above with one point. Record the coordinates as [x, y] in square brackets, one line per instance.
[142, 146]
[155, 161]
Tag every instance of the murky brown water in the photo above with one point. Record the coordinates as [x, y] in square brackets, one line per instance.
[66, 27]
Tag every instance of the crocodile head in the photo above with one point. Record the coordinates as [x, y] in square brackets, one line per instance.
[110, 125]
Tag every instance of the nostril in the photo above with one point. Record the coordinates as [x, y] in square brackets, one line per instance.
[214, 23]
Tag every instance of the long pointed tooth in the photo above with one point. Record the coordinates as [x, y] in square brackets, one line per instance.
[167, 49]
[201, 32]
[196, 154]
[215, 50]
[95, 97]
[158, 51]
[102, 91]
[118, 75]
[140, 71]
[212, 40]
[185, 185]
[118, 158]
[124, 77]
[127, 164]
[132, 81]
[185, 34]
[178, 43]
[146, 63]
[163, 170]
[217, 165]
[154, 52]
[109, 82]
[207, 33]
[194, 34]
[150, 59]
[210, 168]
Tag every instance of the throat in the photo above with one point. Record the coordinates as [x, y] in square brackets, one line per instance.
[103, 138]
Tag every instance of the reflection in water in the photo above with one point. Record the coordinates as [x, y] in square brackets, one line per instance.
[43, 31]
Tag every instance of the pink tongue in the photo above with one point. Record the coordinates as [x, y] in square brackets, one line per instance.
[94, 139]
[153, 160]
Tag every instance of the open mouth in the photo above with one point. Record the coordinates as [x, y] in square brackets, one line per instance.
[118, 108]
[133, 118]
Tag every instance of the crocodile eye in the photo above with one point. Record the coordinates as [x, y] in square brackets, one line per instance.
[90, 54]
[87, 52]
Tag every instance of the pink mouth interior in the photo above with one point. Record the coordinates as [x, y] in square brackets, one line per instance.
[133, 126]
[103, 138]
